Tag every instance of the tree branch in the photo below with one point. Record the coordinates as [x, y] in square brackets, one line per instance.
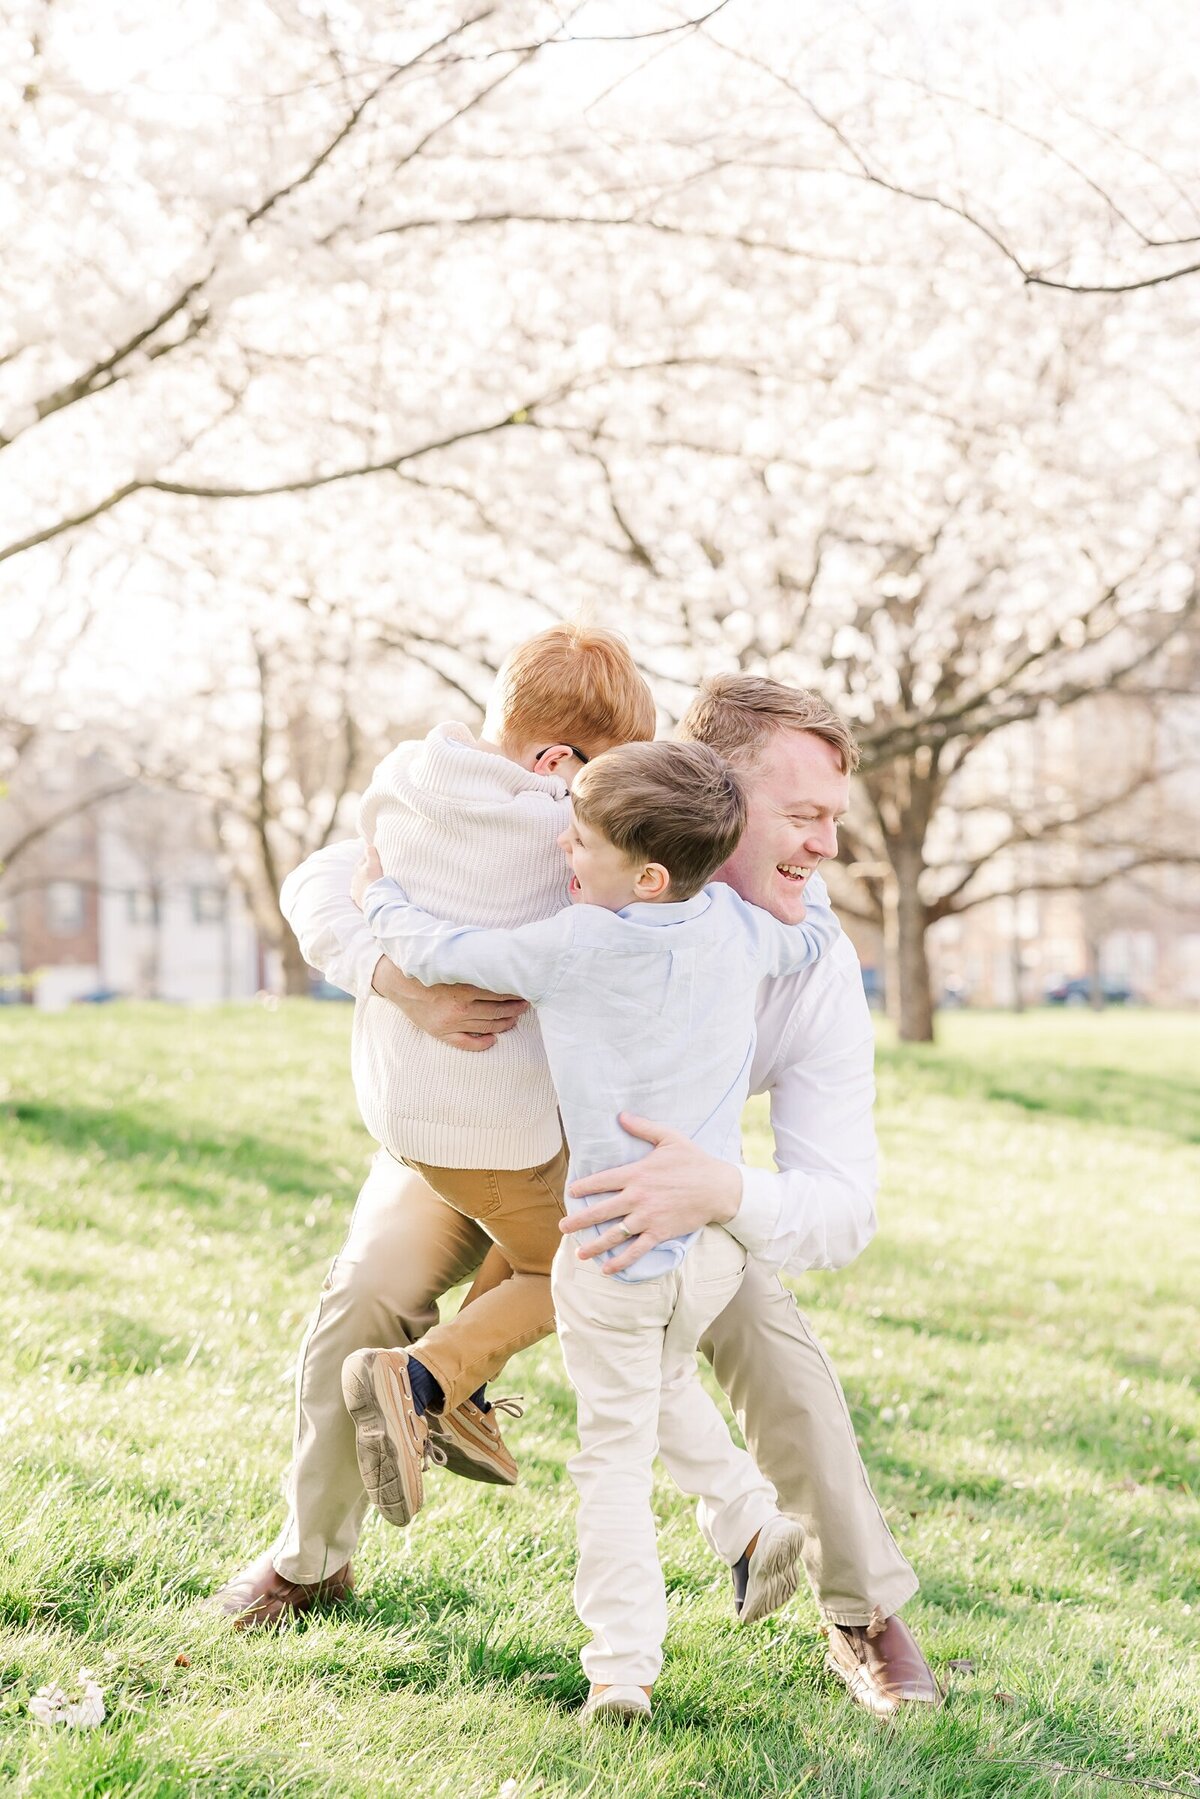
[19, 845]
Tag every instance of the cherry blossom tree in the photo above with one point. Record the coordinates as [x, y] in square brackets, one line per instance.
[349, 344]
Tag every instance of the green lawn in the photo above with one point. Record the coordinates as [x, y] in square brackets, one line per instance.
[1019, 1348]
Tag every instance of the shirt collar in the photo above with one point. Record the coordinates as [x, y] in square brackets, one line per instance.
[668, 912]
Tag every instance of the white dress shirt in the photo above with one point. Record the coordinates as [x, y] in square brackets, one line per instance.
[814, 1058]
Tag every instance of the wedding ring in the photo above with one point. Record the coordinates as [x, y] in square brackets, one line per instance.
[624, 1229]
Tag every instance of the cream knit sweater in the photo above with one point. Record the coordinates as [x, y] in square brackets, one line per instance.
[473, 838]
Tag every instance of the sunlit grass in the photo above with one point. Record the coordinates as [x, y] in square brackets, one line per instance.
[1019, 1348]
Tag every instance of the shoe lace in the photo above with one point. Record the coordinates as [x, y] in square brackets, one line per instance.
[435, 1456]
[511, 1405]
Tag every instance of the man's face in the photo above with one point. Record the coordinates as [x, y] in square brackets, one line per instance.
[797, 797]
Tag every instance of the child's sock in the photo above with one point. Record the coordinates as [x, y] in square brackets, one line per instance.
[479, 1398]
[427, 1394]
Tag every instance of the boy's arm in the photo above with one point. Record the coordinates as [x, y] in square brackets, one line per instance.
[786, 948]
[336, 938]
[526, 961]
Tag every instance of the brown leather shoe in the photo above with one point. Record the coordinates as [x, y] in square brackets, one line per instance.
[881, 1665]
[261, 1598]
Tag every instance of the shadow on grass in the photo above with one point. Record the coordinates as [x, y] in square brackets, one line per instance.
[179, 1162]
[1116, 1097]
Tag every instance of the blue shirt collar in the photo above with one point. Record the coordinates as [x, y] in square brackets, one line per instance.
[667, 912]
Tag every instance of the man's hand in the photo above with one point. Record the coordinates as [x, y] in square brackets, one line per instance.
[369, 869]
[466, 1017]
[677, 1188]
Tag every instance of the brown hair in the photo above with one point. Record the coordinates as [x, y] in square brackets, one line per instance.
[674, 803]
[737, 715]
[572, 684]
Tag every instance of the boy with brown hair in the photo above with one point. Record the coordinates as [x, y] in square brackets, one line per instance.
[644, 988]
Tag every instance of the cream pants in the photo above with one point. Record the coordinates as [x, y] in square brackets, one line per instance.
[630, 1351]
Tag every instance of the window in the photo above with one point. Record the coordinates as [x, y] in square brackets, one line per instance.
[64, 908]
[208, 905]
[143, 906]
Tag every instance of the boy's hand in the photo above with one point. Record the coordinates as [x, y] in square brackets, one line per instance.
[369, 869]
[464, 1017]
[677, 1188]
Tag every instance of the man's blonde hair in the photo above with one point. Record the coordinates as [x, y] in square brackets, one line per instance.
[574, 684]
[678, 804]
[737, 715]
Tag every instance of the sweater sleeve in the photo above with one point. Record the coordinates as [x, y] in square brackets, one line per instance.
[526, 962]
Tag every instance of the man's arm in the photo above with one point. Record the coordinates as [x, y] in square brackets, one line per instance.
[526, 961]
[334, 937]
[818, 1209]
[315, 900]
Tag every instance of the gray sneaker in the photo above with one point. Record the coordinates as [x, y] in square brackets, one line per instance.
[772, 1573]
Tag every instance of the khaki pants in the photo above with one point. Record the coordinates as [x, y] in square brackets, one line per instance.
[520, 1210]
[406, 1248]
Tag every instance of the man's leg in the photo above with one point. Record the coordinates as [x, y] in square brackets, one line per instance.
[797, 1426]
[404, 1249]
[793, 1415]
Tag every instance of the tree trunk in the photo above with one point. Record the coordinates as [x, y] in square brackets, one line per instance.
[295, 968]
[1017, 963]
[909, 993]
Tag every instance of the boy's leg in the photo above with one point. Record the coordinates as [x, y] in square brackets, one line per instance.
[612, 1335]
[492, 1270]
[520, 1210]
[794, 1417]
[693, 1438]
[404, 1249]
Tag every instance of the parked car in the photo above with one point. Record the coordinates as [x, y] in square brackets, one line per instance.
[1078, 992]
[872, 980]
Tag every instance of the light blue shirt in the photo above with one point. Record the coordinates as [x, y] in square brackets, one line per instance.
[647, 1010]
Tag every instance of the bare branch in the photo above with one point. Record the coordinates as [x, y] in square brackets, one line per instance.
[863, 170]
[44, 826]
[1046, 830]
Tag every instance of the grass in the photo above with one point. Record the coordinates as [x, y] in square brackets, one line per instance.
[1019, 1348]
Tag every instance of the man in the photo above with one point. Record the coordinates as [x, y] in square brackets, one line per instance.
[814, 1058]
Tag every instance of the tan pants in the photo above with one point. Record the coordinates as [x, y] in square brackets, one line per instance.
[519, 1209]
[406, 1248]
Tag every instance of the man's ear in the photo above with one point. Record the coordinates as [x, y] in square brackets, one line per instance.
[653, 882]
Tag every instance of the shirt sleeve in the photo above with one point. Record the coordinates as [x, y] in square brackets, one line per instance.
[786, 948]
[525, 962]
[331, 931]
[818, 1209]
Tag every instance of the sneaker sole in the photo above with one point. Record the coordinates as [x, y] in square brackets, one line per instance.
[469, 1452]
[389, 1454]
[775, 1581]
[619, 1712]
